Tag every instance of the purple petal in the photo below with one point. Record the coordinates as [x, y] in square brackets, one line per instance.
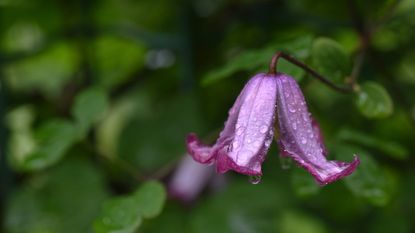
[300, 138]
[189, 179]
[247, 135]
[319, 136]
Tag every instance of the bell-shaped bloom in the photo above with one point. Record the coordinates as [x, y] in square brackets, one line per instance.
[248, 132]
[300, 137]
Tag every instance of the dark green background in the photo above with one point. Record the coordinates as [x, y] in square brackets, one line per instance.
[98, 96]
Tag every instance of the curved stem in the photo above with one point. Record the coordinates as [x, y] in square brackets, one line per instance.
[278, 55]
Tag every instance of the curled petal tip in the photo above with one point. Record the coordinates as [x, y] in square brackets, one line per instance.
[300, 136]
[344, 169]
[248, 132]
[200, 152]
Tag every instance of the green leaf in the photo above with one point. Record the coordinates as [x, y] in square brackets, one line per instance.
[130, 57]
[304, 185]
[53, 139]
[330, 59]
[373, 101]
[43, 148]
[110, 127]
[252, 60]
[119, 215]
[151, 197]
[390, 148]
[47, 71]
[369, 180]
[57, 200]
[90, 106]
[125, 214]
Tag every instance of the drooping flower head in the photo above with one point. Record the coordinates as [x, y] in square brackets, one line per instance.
[300, 136]
[248, 132]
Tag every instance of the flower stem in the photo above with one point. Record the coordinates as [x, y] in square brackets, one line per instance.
[278, 55]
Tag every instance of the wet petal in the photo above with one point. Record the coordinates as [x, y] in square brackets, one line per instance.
[300, 137]
[253, 129]
[247, 135]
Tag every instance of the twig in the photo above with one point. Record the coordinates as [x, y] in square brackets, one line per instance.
[278, 55]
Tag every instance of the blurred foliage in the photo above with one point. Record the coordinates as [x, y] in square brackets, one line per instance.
[96, 98]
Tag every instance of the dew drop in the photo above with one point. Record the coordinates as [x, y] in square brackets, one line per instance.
[263, 129]
[268, 142]
[303, 140]
[292, 109]
[239, 130]
[294, 126]
[248, 140]
[235, 144]
[254, 179]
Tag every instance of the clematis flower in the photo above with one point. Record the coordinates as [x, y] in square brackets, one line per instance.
[300, 137]
[248, 132]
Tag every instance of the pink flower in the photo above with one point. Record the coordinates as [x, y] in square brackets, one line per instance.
[248, 132]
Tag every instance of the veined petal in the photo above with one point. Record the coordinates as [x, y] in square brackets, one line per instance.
[253, 128]
[300, 137]
[247, 135]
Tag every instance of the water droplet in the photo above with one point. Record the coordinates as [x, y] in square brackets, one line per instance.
[291, 109]
[294, 126]
[239, 131]
[248, 140]
[268, 142]
[287, 94]
[305, 117]
[263, 129]
[257, 143]
[303, 140]
[235, 144]
[255, 179]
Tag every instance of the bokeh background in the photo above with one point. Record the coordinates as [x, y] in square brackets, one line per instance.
[98, 96]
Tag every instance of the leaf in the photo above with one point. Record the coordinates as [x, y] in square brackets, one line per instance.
[304, 185]
[151, 197]
[51, 200]
[330, 59]
[369, 180]
[119, 215]
[89, 107]
[252, 60]
[53, 139]
[129, 54]
[47, 71]
[390, 148]
[125, 214]
[110, 127]
[373, 101]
